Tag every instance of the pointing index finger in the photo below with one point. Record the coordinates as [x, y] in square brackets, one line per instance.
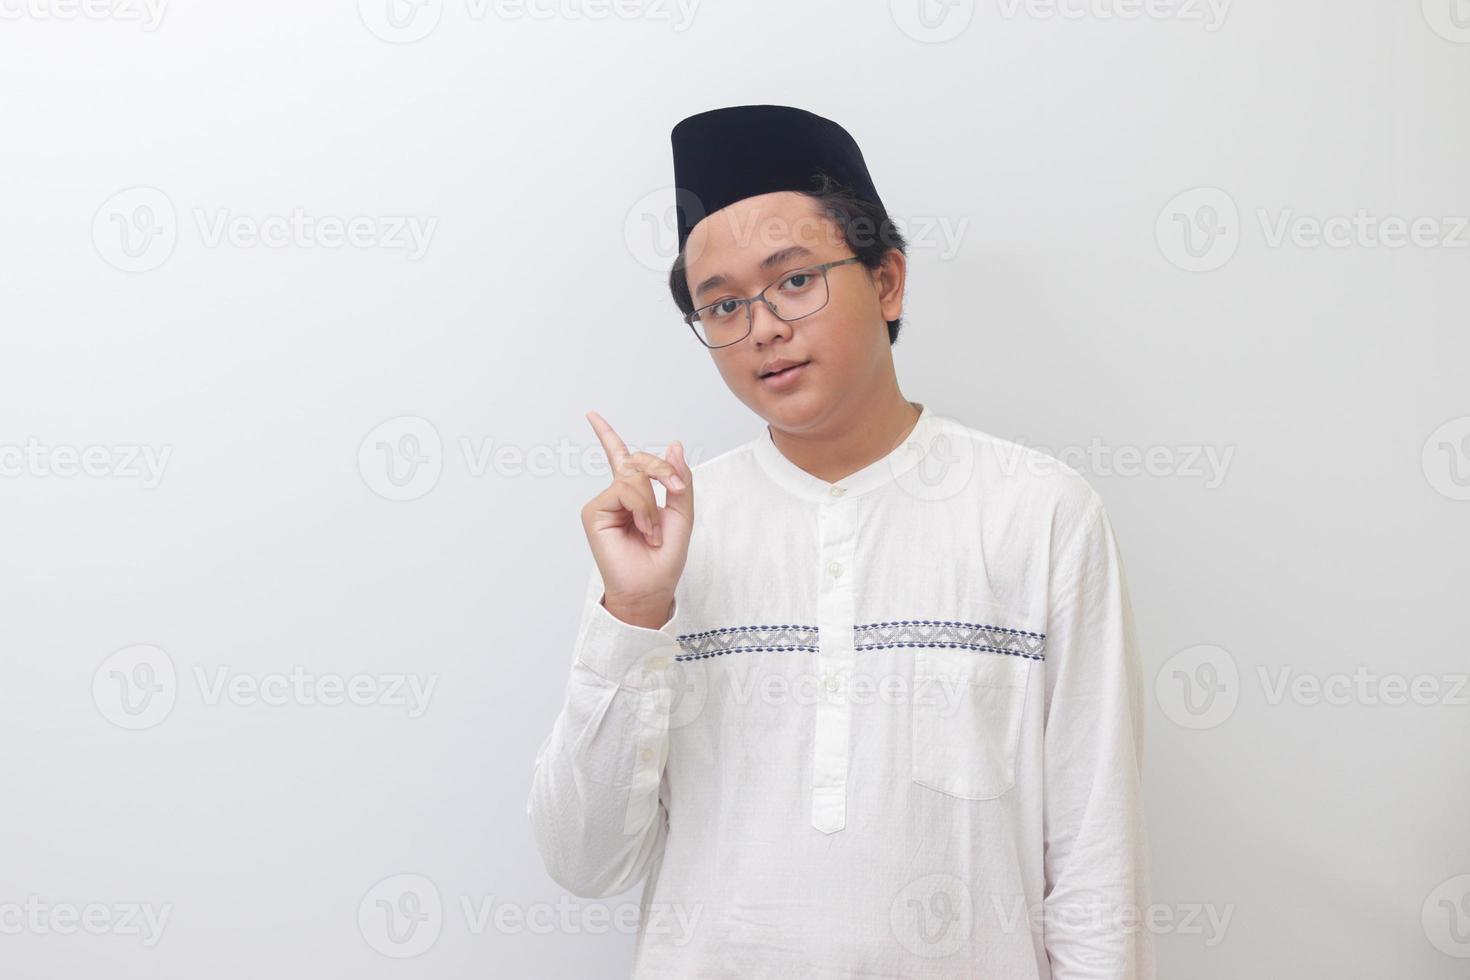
[611, 445]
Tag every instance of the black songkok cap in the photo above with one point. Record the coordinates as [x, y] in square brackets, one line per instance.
[726, 155]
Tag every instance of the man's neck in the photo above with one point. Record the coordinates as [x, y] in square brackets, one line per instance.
[864, 441]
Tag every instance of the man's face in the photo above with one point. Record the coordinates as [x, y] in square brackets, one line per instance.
[741, 249]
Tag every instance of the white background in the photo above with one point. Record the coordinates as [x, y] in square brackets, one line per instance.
[1067, 309]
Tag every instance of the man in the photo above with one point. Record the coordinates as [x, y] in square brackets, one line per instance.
[880, 716]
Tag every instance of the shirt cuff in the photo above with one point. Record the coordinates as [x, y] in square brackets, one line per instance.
[621, 652]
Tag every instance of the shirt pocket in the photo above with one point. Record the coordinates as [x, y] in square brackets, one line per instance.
[967, 715]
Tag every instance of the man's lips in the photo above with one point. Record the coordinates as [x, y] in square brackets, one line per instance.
[791, 367]
[786, 378]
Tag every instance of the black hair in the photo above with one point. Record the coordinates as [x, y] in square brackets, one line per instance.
[866, 228]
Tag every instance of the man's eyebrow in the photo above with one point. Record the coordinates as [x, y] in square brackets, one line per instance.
[775, 258]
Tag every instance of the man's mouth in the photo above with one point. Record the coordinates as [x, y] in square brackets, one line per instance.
[777, 374]
[787, 379]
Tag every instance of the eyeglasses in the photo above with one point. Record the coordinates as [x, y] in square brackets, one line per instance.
[729, 321]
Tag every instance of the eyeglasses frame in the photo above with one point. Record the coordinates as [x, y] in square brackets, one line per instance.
[749, 302]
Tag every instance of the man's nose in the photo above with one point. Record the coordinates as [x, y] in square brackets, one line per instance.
[765, 325]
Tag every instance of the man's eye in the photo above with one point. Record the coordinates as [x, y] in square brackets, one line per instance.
[797, 281]
[723, 309]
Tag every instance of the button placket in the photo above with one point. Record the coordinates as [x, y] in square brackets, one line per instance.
[654, 700]
[835, 656]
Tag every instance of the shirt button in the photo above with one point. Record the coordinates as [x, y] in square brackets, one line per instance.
[835, 568]
[831, 682]
[837, 491]
[658, 663]
[646, 754]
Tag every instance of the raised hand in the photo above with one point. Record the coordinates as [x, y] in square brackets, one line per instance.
[640, 548]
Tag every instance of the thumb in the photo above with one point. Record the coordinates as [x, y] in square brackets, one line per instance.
[681, 502]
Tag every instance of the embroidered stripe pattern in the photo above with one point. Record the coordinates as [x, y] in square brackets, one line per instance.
[947, 633]
[747, 639]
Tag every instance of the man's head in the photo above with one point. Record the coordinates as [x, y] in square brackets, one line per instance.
[761, 241]
[764, 193]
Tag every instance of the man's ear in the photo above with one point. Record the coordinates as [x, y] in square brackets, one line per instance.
[890, 278]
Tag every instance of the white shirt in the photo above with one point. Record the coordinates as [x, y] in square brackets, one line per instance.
[892, 729]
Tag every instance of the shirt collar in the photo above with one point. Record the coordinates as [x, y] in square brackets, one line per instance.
[876, 474]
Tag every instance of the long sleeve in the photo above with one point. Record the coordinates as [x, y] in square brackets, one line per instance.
[1096, 861]
[594, 804]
